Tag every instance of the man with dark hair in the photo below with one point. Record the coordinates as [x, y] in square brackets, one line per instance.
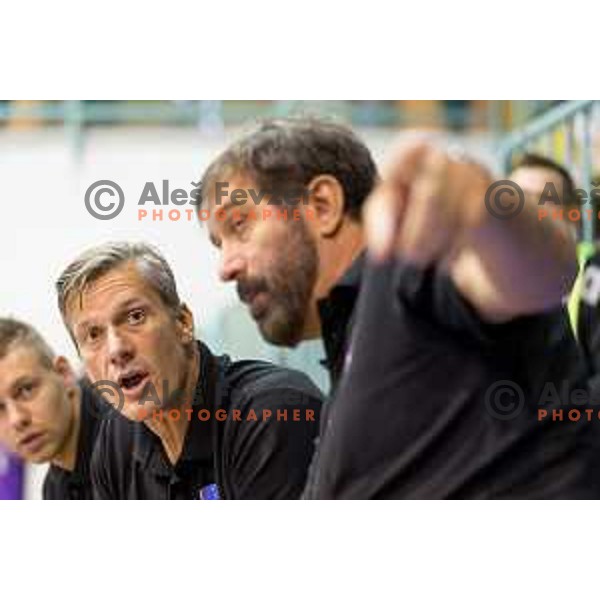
[542, 177]
[549, 182]
[46, 416]
[461, 302]
[197, 426]
[283, 268]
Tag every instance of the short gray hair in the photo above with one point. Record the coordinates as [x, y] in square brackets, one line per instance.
[15, 333]
[99, 260]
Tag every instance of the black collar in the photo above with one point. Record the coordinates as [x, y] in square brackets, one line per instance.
[352, 277]
[90, 415]
[197, 445]
[336, 312]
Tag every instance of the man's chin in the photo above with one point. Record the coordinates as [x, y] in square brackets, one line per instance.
[45, 455]
[280, 333]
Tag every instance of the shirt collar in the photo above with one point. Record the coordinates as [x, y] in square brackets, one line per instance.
[89, 423]
[335, 312]
[197, 444]
[346, 289]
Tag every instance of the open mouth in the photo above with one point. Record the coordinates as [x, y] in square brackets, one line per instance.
[133, 381]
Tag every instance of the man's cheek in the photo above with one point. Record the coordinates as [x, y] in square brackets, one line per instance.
[6, 440]
[267, 242]
[95, 374]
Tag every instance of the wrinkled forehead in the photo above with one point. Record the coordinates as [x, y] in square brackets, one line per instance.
[227, 188]
[112, 291]
[240, 197]
[222, 186]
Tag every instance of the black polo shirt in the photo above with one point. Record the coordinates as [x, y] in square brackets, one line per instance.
[60, 484]
[245, 459]
[416, 413]
[336, 313]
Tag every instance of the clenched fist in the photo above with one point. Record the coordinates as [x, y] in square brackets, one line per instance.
[425, 204]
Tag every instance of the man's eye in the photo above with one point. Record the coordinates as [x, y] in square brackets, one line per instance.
[25, 391]
[93, 333]
[136, 316]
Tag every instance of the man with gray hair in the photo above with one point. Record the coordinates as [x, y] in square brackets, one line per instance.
[46, 415]
[197, 426]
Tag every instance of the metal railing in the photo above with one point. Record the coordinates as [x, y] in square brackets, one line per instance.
[564, 133]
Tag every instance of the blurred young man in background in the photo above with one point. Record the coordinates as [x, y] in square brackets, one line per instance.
[554, 187]
[46, 415]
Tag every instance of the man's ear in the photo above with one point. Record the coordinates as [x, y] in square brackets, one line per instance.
[185, 324]
[63, 367]
[326, 199]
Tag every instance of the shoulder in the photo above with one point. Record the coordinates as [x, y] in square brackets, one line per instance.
[256, 380]
[112, 458]
[51, 486]
[273, 406]
[114, 440]
[269, 431]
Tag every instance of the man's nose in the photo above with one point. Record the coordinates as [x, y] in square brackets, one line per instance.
[18, 417]
[232, 266]
[120, 348]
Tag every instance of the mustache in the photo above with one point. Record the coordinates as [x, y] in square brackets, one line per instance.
[248, 288]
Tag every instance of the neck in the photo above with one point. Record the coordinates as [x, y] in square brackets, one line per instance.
[172, 431]
[335, 260]
[66, 457]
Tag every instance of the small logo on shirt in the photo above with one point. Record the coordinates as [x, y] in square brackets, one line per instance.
[210, 492]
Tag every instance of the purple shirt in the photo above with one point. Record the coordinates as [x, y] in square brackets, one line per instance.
[11, 476]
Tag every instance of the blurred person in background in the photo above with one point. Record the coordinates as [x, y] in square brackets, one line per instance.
[461, 302]
[46, 414]
[554, 187]
[544, 178]
[585, 300]
[550, 183]
[135, 337]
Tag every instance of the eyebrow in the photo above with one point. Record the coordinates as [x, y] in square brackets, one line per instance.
[226, 207]
[120, 309]
[17, 383]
